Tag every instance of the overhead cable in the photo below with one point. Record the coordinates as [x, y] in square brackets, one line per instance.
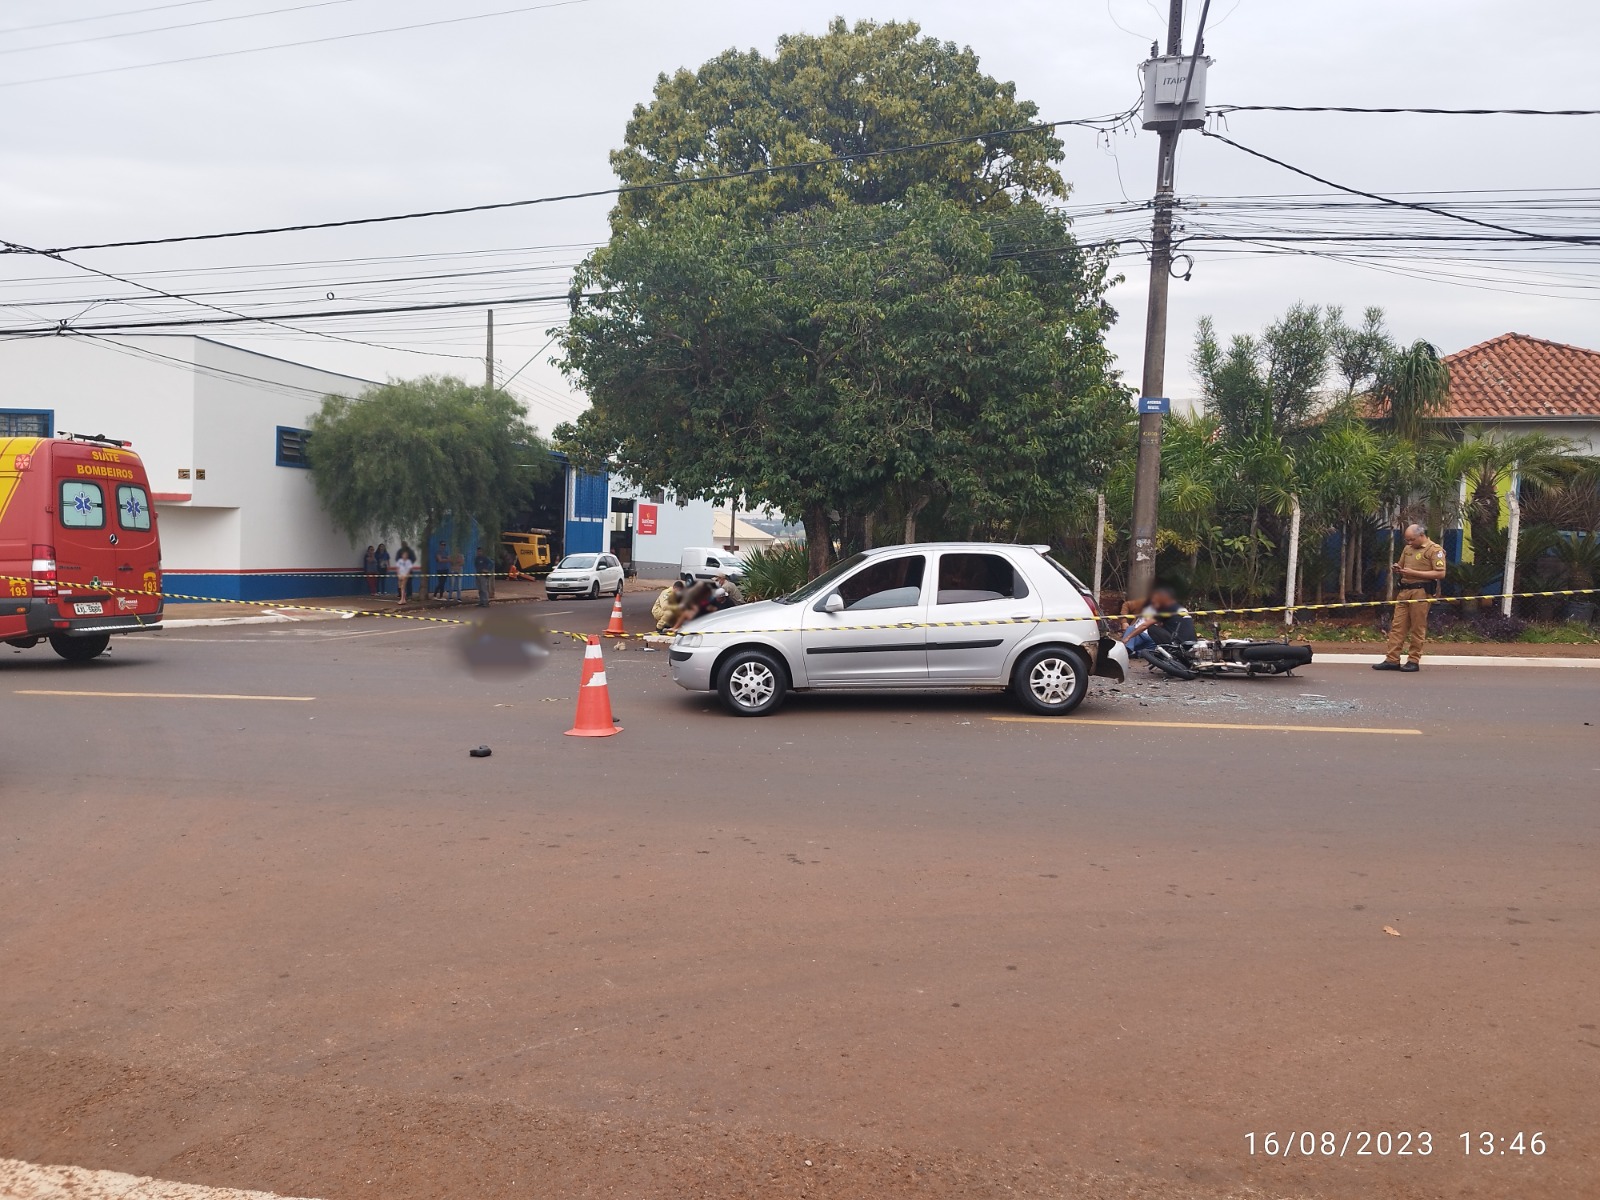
[337, 37]
[189, 322]
[127, 12]
[1438, 212]
[624, 189]
[127, 33]
[1224, 109]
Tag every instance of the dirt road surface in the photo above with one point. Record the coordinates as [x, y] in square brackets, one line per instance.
[296, 940]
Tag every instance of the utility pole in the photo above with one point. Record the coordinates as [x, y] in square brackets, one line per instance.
[1174, 88]
[488, 357]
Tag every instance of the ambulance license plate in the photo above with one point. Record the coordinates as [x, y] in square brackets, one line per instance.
[89, 608]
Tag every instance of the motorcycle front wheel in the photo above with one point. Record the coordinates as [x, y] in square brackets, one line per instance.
[1164, 660]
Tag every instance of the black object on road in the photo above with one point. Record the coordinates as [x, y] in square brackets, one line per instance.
[481, 752]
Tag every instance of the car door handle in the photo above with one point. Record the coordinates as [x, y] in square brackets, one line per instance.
[1021, 616]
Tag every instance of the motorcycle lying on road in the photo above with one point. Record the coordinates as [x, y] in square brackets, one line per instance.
[1218, 655]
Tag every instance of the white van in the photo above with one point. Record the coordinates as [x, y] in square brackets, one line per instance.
[707, 562]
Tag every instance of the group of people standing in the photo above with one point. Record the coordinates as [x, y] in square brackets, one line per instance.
[680, 602]
[448, 572]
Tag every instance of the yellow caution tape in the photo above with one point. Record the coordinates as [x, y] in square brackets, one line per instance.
[584, 637]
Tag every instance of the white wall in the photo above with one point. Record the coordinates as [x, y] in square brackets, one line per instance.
[678, 524]
[102, 387]
[240, 400]
[199, 539]
[1586, 434]
[189, 403]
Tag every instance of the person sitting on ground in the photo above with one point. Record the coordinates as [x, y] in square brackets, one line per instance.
[665, 610]
[1129, 613]
[735, 596]
[1162, 621]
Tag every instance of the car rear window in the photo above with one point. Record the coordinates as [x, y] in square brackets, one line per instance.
[1082, 587]
[83, 505]
[133, 507]
[976, 578]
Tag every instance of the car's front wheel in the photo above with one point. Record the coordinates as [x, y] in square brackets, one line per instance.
[752, 683]
[80, 649]
[1051, 681]
[594, 590]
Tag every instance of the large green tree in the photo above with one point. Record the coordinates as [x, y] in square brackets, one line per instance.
[851, 91]
[399, 459]
[883, 347]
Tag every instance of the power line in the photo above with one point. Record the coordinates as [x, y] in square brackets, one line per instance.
[1438, 212]
[1224, 109]
[624, 189]
[127, 33]
[189, 322]
[127, 12]
[338, 37]
[529, 363]
[228, 312]
[229, 317]
[285, 389]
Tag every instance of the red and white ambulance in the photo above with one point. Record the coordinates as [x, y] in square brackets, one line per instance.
[80, 557]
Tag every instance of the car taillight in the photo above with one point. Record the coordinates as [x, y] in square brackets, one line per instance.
[1093, 607]
[43, 571]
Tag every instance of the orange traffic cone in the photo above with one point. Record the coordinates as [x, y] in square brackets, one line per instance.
[615, 629]
[594, 700]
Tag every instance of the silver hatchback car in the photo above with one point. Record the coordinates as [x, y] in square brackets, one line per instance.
[926, 615]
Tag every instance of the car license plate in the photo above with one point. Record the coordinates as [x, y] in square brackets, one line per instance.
[89, 608]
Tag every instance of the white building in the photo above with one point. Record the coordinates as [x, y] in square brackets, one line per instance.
[221, 433]
[662, 525]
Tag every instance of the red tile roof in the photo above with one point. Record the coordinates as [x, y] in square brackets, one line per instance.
[1515, 376]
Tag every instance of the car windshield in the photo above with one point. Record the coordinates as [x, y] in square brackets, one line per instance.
[577, 562]
[824, 581]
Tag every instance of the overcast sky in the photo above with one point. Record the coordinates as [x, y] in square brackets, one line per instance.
[530, 104]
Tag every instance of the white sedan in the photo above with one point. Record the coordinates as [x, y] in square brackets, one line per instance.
[591, 575]
[928, 615]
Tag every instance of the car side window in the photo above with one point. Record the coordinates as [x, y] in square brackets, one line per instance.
[712, 562]
[976, 578]
[83, 505]
[892, 583]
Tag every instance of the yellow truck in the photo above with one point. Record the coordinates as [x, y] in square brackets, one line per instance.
[529, 551]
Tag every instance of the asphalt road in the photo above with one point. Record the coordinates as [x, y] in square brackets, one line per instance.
[868, 946]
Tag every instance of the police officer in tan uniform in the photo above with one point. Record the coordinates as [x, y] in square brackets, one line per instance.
[1418, 576]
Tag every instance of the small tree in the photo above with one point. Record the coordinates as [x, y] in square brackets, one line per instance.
[1412, 385]
[401, 458]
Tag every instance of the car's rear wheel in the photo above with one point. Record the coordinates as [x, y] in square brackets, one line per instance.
[752, 683]
[1051, 681]
[80, 649]
[620, 584]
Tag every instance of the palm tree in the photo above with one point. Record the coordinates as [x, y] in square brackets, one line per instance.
[1487, 459]
[1412, 386]
[1191, 479]
[1341, 474]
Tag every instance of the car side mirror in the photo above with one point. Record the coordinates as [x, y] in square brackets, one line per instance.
[833, 604]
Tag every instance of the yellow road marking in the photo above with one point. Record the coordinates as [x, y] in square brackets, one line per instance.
[158, 695]
[1067, 721]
